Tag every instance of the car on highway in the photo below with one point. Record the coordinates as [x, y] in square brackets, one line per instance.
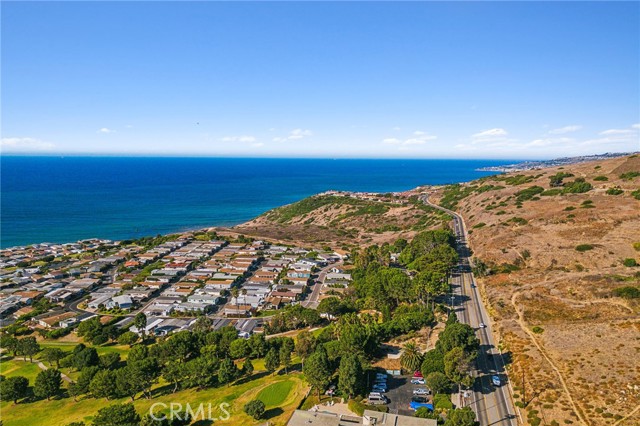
[421, 391]
[496, 380]
[417, 381]
[419, 402]
[482, 325]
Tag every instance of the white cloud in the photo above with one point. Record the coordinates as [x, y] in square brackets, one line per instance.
[635, 126]
[392, 141]
[243, 138]
[544, 142]
[396, 128]
[419, 138]
[129, 126]
[565, 129]
[490, 134]
[257, 144]
[616, 132]
[295, 134]
[105, 130]
[25, 145]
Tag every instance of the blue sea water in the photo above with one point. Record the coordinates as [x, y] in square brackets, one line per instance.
[64, 199]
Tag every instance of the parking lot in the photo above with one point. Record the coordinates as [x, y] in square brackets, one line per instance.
[400, 392]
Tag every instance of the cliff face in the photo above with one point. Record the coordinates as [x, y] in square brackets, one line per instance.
[556, 242]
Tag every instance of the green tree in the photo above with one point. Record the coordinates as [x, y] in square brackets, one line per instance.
[137, 377]
[239, 348]
[103, 385]
[438, 382]
[28, 347]
[140, 322]
[14, 388]
[181, 346]
[272, 360]
[411, 358]
[109, 360]
[433, 361]
[117, 415]
[317, 370]
[330, 306]
[83, 356]
[305, 345]
[81, 386]
[228, 371]
[457, 366]
[128, 338]
[461, 417]
[458, 335]
[255, 409]
[138, 353]
[285, 357]
[350, 379]
[174, 373]
[247, 368]
[47, 383]
[9, 343]
[52, 355]
[202, 325]
[203, 371]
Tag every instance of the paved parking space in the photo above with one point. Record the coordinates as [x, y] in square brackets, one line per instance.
[399, 392]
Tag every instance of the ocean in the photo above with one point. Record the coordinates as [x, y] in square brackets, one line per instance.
[65, 199]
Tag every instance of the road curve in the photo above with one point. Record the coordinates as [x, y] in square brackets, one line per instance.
[492, 405]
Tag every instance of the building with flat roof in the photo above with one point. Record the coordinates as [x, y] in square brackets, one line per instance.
[369, 418]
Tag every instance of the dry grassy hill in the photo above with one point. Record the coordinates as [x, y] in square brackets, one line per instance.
[557, 241]
[344, 221]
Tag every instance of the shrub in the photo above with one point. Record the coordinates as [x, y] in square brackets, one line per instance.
[584, 247]
[636, 246]
[628, 292]
[636, 194]
[629, 175]
[442, 401]
[518, 220]
[551, 192]
[630, 262]
[614, 191]
[537, 329]
[255, 409]
[569, 208]
[529, 193]
[577, 186]
[601, 178]
[479, 225]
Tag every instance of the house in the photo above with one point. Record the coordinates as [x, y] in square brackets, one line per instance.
[50, 321]
[122, 302]
[238, 310]
[99, 301]
[369, 418]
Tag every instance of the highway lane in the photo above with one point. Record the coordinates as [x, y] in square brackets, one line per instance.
[492, 405]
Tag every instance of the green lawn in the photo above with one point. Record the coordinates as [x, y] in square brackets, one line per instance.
[18, 367]
[275, 394]
[65, 410]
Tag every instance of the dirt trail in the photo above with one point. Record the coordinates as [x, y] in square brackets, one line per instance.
[524, 328]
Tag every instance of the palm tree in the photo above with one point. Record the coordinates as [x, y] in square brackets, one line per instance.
[411, 358]
[244, 294]
[235, 292]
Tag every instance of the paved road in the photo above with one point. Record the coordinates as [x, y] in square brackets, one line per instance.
[492, 405]
[312, 300]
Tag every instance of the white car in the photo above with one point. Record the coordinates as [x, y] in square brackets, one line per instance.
[421, 391]
[482, 325]
[417, 381]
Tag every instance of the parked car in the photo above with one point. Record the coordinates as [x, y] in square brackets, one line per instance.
[421, 391]
[377, 399]
[381, 376]
[417, 381]
[419, 402]
[496, 380]
[417, 373]
[379, 388]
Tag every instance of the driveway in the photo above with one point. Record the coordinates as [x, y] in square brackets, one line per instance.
[400, 391]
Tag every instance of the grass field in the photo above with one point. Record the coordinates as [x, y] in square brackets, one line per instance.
[289, 390]
[275, 394]
[18, 367]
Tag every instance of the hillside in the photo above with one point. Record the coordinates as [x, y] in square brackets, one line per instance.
[340, 220]
[554, 244]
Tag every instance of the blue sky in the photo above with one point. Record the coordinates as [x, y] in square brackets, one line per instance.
[318, 79]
